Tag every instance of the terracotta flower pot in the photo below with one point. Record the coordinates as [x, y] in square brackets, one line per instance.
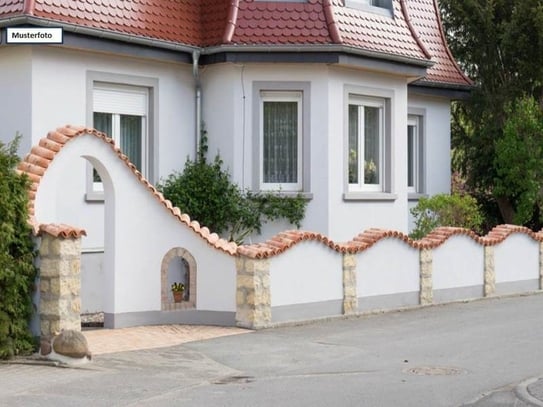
[178, 296]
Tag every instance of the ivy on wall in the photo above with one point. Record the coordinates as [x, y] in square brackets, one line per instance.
[17, 270]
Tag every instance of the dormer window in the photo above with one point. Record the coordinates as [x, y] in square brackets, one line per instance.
[373, 6]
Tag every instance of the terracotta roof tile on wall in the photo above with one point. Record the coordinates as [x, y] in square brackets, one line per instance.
[8, 7]
[268, 22]
[425, 18]
[376, 32]
[169, 20]
[35, 164]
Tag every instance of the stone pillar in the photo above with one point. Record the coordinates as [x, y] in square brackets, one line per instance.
[253, 301]
[426, 295]
[60, 284]
[350, 299]
[490, 273]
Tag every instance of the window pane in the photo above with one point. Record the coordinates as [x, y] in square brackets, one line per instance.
[372, 146]
[102, 122]
[131, 138]
[411, 156]
[280, 144]
[353, 145]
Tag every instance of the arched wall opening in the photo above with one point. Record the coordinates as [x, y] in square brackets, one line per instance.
[178, 266]
[97, 274]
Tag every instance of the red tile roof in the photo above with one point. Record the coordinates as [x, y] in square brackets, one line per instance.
[275, 23]
[414, 33]
[425, 18]
[8, 7]
[377, 32]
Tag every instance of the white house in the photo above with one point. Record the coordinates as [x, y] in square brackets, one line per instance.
[344, 101]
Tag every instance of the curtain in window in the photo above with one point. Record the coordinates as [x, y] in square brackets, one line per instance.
[280, 144]
[372, 146]
[102, 122]
[131, 135]
[353, 144]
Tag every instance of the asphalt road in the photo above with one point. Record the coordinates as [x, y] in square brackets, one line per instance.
[451, 355]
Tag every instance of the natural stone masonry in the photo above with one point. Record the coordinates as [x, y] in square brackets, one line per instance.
[253, 298]
[490, 272]
[426, 283]
[350, 299]
[60, 284]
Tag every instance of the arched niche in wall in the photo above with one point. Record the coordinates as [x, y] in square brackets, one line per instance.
[178, 266]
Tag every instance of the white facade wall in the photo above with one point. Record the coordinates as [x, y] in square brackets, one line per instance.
[308, 272]
[136, 223]
[229, 116]
[517, 259]
[451, 270]
[348, 218]
[388, 267]
[15, 95]
[59, 97]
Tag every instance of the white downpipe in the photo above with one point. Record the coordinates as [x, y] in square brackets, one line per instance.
[198, 99]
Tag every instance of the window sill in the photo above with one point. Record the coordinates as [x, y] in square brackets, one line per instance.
[415, 196]
[308, 196]
[369, 196]
[94, 197]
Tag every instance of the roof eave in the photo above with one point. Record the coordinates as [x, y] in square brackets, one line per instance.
[301, 48]
[97, 32]
[454, 91]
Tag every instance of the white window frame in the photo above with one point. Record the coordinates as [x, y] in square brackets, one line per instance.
[416, 119]
[384, 7]
[282, 96]
[94, 193]
[413, 163]
[362, 102]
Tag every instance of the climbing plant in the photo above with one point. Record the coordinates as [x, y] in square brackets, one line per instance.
[17, 270]
[205, 192]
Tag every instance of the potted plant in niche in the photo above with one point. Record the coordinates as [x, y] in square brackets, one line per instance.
[178, 291]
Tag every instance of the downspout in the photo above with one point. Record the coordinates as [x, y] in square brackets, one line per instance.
[198, 99]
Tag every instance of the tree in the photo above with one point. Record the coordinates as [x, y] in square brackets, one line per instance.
[17, 271]
[499, 44]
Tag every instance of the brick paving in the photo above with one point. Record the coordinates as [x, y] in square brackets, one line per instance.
[103, 341]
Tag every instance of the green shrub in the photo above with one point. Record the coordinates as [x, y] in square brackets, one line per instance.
[17, 271]
[445, 210]
[204, 191]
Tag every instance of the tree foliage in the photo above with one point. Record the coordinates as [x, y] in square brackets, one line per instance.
[17, 271]
[204, 191]
[499, 43]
